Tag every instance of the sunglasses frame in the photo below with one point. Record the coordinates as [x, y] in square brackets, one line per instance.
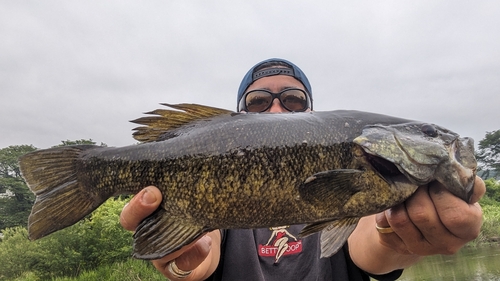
[242, 106]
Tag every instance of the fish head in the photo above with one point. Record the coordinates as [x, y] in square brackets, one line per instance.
[423, 153]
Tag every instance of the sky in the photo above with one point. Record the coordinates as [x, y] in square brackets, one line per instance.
[73, 70]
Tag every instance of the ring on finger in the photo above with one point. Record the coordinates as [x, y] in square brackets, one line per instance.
[384, 230]
[177, 272]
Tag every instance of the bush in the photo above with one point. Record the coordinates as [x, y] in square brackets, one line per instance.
[493, 189]
[92, 242]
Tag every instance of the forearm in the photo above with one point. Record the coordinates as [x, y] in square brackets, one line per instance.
[369, 254]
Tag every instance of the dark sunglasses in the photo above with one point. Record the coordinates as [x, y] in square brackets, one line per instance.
[291, 99]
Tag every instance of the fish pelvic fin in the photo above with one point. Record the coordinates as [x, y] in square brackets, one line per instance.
[161, 234]
[61, 201]
[164, 120]
[334, 234]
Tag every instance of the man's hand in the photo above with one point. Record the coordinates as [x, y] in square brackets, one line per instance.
[191, 257]
[433, 221]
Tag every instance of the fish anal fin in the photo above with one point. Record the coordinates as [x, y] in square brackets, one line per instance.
[161, 234]
[334, 234]
[164, 120]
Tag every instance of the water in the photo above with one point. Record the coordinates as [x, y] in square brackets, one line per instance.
[476, 264]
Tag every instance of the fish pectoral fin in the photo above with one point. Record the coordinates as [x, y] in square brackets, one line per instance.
[334, 234]
[165, 120]
[161, 234]
[333, 186]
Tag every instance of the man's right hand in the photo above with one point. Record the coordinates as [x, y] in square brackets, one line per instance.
[197, 256]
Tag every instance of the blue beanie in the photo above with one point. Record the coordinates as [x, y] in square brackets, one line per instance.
[253, 75]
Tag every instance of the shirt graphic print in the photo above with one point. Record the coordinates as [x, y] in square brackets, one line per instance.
[281, 243]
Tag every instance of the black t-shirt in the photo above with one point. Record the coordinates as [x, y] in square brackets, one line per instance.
[279, 254]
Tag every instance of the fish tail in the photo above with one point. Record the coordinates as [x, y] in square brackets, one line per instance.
[61, 200]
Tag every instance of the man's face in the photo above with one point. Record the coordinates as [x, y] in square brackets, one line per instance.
[276, 84]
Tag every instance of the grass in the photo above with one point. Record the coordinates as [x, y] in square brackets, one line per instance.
[490, 231]
[130, 270]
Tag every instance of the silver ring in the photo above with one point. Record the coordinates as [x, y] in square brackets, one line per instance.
[177, 272]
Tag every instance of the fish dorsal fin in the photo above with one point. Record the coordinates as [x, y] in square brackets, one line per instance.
[161, 234]
[165, 120]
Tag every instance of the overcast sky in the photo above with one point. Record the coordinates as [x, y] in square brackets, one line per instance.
[82, 69]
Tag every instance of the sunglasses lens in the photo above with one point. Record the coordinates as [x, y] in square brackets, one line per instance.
[258, 101]
[291, 100]
[294, 100]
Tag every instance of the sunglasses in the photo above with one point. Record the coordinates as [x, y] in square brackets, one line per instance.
[291, 99]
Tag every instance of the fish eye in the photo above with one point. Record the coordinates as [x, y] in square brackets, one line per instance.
[429, 130]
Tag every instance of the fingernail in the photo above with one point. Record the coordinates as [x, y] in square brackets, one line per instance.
[148, 197]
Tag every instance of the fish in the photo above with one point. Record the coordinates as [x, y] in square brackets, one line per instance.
[219, 169]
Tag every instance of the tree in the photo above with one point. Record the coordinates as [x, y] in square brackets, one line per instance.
[82, 141]
[15, 197]
[488, 155]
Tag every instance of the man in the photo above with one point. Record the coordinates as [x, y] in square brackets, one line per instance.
[432, 221]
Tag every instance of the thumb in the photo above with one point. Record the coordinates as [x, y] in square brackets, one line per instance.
[140, 206]
[195, 255]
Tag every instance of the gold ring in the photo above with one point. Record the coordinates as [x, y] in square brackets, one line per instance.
[384, 230]
[177, 272]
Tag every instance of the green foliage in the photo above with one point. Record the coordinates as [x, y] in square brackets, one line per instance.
[130, 270]
[76, 142]
[488, 155]
[493, 189]
[16, 199]
[490, 230]
[90, 243]
[492, 195]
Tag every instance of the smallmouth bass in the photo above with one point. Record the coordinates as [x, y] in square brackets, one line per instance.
[218, 170]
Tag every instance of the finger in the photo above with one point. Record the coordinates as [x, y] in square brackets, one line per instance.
[406, 234]
[461, 219]
[381, 220]
[424, 213]
[186, 259]
[390, 240]
[140, 206]
[418, 225]
[479, 190]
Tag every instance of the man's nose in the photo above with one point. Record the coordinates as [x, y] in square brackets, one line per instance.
[276, 107]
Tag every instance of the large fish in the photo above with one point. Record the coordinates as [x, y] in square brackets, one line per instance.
[219, 169]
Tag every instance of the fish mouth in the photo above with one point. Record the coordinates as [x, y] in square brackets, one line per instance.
[389, 171]
[384, 167]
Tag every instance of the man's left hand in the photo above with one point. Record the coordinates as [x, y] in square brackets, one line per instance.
[432, 221]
